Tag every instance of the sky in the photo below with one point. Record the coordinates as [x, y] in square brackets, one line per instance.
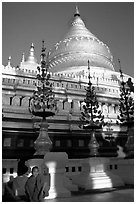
[24, 23]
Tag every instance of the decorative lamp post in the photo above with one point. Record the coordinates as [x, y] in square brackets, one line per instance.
[126, 108]
[91, 117]
[43, 104]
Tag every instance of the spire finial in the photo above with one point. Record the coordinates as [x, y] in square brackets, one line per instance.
[43, 46]
[89, 76]
[23, 57]
[43, 51]
[32, 50]
[9, 61]
[77, 11]
[120, 70]
[31, 57]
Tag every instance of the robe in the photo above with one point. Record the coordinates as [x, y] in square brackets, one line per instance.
[29, 187]
[36, 188]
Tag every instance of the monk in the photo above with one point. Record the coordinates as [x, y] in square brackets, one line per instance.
[35, 187]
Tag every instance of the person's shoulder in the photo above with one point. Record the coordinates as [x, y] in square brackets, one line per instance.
[30, 178]
[40, 177]
[44, 177]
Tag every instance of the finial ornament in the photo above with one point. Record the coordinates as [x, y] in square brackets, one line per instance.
[23, 57]
[9, 61]
[89, 75]
[43, 46]
[32, 50]
[120, 70]
[31, 56]
[32, 45]
[77, 11]
[43, 51]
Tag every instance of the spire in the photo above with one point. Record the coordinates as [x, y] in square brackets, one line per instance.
[77, 12]
[31, 57]
[77, 19]
[89, 75]
[23, 57]
[9, 61]
[31, 50]
[120, 70]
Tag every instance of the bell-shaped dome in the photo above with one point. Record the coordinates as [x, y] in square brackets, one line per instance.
[77, 47]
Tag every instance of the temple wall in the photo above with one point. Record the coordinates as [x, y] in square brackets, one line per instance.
[17, 107]
[69, 92]
[111, 167]
[122, 167]
[74, 105]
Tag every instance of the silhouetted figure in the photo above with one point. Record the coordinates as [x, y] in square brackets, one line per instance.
[19, 184]
[14, 189]
[22, 168]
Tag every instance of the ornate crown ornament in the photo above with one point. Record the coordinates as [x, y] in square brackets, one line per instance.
[43, 103]
[91, 117]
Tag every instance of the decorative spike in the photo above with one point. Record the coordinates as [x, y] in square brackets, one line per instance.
[9, 61]
[119, 64]
[47, 58]
[120, 70]
[31, 57]
[32, 50]
[23, 57]
[89, 76]
[32, 45]
[43, 47]
[77, 12]
[43, 52]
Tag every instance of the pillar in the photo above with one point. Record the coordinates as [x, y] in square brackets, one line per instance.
[60, 105]
[76, 105]
[100, 105]
[67, 106]
[105, 108]
[111, 109]
[56, 162]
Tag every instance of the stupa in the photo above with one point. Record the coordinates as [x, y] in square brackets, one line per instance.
[69, 76]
